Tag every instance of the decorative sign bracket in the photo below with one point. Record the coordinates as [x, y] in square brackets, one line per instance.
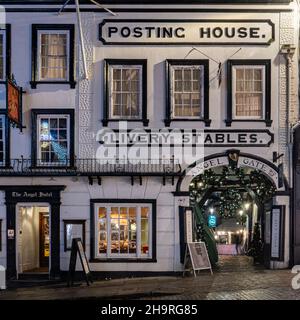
[14, 103]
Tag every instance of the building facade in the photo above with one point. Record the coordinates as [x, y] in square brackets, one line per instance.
[230, 71]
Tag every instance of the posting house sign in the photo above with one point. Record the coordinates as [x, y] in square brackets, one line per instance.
[186, 32]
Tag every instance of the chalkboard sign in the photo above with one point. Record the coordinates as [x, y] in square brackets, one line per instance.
[196, 253]
[77, 247]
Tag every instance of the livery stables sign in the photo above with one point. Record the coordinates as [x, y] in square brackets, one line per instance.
[186, 32]
[176, 137]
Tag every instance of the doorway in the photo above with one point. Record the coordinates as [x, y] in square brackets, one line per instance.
[231, 206]
[33, 238]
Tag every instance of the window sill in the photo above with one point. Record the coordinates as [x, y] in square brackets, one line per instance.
[125, 260]
[267, 122]
[206, 121]
[106, 121]
[35, 83]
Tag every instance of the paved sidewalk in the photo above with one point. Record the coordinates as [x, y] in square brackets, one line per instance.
[236, 279]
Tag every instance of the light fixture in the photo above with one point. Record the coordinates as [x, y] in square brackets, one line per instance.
[241, 212]
[211, 210]
[247, 206]
[200, 184]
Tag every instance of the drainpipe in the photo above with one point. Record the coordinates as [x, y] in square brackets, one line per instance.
[288, 52]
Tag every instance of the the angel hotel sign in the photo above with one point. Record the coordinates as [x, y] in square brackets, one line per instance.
[186, 32]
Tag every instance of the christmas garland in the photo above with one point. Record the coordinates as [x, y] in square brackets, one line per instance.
[229, 199]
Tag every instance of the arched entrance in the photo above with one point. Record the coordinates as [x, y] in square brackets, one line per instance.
[232, 196]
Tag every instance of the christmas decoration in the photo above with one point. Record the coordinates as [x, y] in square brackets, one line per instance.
[229, 188]
[230, 202]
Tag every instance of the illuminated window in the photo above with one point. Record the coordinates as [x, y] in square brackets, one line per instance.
[248, 92]
[53, 139]
[123, 231]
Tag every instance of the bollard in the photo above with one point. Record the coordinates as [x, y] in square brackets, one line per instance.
[2, 278]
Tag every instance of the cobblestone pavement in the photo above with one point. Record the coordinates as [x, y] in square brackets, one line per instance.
[235, 279]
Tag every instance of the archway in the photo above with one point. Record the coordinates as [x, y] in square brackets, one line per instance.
[235, 191]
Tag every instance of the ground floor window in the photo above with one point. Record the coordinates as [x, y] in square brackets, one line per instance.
[124, 230]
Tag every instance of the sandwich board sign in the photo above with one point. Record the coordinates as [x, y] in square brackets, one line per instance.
[77, 247]
[196, 255]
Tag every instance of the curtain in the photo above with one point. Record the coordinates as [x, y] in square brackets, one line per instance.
[54, 56]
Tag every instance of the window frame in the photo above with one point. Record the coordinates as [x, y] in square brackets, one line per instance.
[49, 117]
[232, 65]
[35, 152]
[108, 63]
[39, 44]
[38, 29]
[5, 162]
[4, 33]
[3, 111]
[77, 222]
[7, 52]
[234, 69]
[205, 90]
[138, 257]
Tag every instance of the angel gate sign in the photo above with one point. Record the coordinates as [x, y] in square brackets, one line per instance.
[235, 159]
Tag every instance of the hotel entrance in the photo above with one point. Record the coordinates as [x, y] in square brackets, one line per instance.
[33, 238]
[33, 231]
